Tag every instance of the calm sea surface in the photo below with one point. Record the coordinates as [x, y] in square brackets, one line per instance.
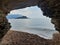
[41, 27]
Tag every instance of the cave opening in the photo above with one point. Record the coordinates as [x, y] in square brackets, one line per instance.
[35, 22]
[49, 8]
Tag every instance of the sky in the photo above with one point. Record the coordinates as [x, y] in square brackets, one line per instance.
[31, 12]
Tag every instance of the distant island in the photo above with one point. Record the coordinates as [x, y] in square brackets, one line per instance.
[16, 16]
[23, 17]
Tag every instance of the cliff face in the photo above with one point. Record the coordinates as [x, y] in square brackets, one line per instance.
[50, 8]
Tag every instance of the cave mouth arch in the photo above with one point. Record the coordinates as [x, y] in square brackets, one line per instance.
[50, 8]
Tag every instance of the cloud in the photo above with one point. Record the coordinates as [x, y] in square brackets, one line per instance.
[24, 11]
[33, 12]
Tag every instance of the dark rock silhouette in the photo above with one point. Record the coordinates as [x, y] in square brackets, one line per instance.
[4, 25]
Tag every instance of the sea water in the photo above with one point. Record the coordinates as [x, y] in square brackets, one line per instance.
[39, 26]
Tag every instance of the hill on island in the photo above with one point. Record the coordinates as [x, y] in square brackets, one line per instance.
[15, 16]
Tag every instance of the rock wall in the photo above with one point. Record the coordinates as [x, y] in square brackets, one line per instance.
[50, 8]
[56, 39]
[4, 25]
